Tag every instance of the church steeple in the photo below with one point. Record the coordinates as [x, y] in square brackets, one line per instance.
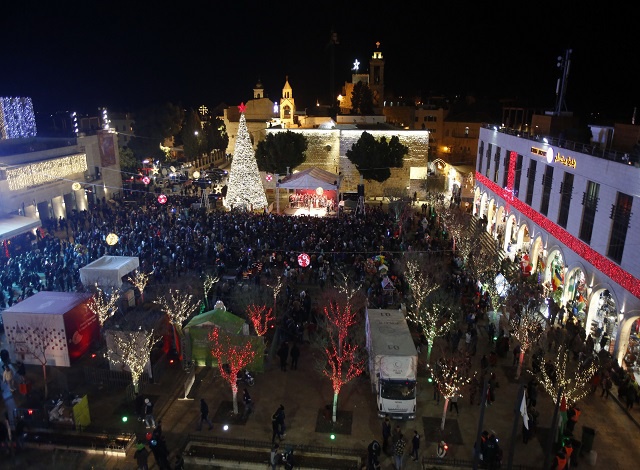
[258, 91]
[376, 76]
[287, 105]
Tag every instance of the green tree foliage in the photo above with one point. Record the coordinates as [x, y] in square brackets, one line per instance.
[216, 135]
[281, 150]
[373, 158]
[361, 99]
[152, 126]
[192, 136]
[128, 162]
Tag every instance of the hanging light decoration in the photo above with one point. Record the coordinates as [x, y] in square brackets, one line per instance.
[76, 186]
[146, 180]
[304, 260]
[162, 199]
[196, 175]
[112, 239]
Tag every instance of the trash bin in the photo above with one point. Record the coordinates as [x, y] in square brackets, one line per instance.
[588, 434]
[24, 387]
[577, 449]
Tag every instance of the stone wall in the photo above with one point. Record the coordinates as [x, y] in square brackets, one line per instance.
[327, 150]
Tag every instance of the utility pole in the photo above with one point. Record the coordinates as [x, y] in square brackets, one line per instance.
[333, 42]
[561, 85]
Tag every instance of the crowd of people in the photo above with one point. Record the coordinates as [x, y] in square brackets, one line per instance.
[171, 241]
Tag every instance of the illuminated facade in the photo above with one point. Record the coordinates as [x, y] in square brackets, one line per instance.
[17, 119]
[567, 210]
[48, 178]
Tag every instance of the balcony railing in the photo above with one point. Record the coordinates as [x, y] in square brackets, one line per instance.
[593, 150]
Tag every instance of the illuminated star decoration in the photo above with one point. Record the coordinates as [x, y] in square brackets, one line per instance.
[242, 107]
[155, 170]
[356, 65]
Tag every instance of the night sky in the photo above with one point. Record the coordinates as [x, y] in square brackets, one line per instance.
[78, 56]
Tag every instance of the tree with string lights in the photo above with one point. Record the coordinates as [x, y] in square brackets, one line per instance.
[343, 358]
[348, 289]
[421, 283]
[231, 358]
[140, 281]
[454, 221]
[104, 305]
[36, 339]
[178, 306]
[260, 318]
[436, 316]
[133, 350]
[429, 307]
[526, 328]
[451, 377]
[574, 381]
[276, 288]
[244, 188]
[207, 285]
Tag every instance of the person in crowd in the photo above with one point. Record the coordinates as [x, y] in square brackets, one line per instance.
[204, 415]
[415, 445]
[386, 434]
[248, 403]
[149, 419]
[295, 355]
[142, 456]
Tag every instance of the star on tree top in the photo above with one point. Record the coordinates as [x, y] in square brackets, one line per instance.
[242, 107]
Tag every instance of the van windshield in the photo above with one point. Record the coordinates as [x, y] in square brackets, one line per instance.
[398, 390]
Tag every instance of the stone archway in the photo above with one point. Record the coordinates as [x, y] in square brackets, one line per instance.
[523, 238]
[624, 347]
[511, 226]
[554, 271]
[603, 317]
[575, 290]
[501, 217]
[483, 205]
[491, 217]
[476, 202]
[537, 255]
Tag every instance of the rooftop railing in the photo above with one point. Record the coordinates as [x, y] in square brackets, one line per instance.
[593, 150]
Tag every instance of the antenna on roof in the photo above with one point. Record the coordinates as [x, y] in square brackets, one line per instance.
[561, 86]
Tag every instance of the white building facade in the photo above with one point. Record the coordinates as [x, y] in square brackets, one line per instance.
[568, 212]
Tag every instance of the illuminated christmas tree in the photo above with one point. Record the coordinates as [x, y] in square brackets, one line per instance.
[244, 189]
[231, 358]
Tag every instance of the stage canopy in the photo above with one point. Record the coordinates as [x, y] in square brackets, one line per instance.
[310, 178]
[12, 225]
[108, 271]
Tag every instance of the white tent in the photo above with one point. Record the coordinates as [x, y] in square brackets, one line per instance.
[310, 178]
[108, 271]
[12, 225]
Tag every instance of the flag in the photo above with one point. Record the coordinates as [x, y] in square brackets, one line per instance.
[523, 411]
